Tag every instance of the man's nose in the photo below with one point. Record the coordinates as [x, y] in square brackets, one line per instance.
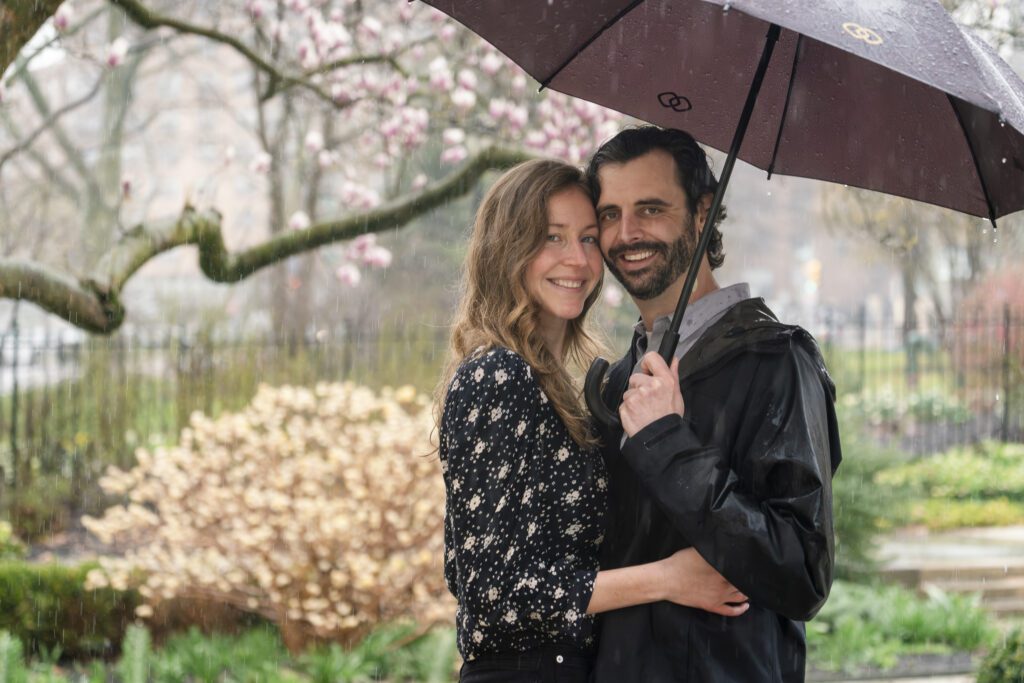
[629, 229]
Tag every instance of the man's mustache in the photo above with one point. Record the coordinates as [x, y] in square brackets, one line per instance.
[616, 252]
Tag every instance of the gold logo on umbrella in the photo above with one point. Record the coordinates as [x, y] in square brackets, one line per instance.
[862, 33]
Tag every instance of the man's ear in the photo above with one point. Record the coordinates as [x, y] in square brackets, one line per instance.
[703, 207]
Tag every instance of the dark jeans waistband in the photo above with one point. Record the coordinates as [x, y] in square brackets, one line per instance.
[548, 658]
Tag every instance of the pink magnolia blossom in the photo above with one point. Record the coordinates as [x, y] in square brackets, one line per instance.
[497, 108]
[126, 186]
[326, 159]
[314, 141]
[62, 17]
[519, 84]
[463, 99]
[453, 136]
[257, 9]
[359, 247]
[298, 221]
[441, 75]
[377, 257]
[260, 163]
[229, 155]
[491, 63]
[454, 155]
[447, 32]
[420, 181]
[348, 274]
[371, 27]
[518, 117]
[116, 52]
[467, 79]
[612, 295]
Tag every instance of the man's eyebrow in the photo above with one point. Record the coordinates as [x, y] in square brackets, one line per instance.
[652, 201]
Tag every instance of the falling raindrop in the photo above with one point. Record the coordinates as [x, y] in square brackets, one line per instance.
[1004, 160]
[769, 193]
[727, 6]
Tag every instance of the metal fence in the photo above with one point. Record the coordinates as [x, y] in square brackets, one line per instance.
[69, 405]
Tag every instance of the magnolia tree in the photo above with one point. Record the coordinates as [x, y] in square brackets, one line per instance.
[361, 115]
[319, 509]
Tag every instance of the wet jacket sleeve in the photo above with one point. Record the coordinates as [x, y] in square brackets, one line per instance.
[500, 564]
[770, 533]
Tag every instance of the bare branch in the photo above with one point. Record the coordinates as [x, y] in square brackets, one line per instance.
[93, 304]
[148, 19]
[50, 120]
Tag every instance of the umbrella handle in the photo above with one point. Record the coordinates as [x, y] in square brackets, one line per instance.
[592, 394]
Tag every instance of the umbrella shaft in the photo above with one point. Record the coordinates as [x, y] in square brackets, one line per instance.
[671, 339]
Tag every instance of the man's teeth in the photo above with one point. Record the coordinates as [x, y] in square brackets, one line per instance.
[571, 284]
[637, 255]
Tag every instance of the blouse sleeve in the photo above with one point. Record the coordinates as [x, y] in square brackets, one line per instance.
[501, 563]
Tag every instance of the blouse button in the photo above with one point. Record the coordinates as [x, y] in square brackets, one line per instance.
[559, 659]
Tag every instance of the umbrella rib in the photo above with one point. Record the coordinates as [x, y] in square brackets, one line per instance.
[607, 25]
[785, 106]
[974, 158]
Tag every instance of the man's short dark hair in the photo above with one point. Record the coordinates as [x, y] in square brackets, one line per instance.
[692, 170]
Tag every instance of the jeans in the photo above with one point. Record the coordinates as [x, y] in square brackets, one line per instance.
[545, 665]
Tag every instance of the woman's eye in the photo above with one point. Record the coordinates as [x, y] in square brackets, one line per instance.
[554, 238]
[590, 239]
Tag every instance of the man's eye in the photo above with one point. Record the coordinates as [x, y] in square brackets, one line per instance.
[609, 216]
[651, 210]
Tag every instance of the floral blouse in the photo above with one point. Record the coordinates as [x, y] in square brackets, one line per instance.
[524, 514]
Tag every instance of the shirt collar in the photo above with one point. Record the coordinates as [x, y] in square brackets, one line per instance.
[699, 312]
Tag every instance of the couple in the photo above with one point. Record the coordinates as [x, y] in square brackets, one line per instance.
[701, 531]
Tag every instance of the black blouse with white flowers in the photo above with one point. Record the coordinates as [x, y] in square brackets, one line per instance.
[524, 514]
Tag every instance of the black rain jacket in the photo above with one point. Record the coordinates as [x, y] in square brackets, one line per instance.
[745, 478]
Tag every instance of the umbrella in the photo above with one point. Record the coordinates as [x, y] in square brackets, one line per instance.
[887, 95]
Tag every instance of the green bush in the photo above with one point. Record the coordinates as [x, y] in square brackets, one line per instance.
[12, 663]
[887, 409]
[10, 547]
[1005, 663]
[47, 607]
[39, 508]
[875, 624]
[988, 470]
[861, 508]
[938, 514]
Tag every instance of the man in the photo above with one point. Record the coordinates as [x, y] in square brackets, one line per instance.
[733, 455]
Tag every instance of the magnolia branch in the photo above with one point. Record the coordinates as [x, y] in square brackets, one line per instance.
[93, 304]
[149, 20]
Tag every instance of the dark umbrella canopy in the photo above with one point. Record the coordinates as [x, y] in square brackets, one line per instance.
[888, 95]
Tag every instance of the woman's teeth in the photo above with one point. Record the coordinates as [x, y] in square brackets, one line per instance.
[570, 284]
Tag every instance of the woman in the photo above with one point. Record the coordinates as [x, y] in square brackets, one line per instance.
[526, 490]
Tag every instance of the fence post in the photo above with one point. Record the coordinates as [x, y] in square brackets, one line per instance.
[862, 321]
[15, 347]
[1005, 431]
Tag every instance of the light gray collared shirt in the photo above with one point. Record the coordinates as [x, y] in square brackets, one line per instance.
[700, 315]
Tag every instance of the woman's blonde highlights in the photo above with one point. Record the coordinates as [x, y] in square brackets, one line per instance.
[495, 307]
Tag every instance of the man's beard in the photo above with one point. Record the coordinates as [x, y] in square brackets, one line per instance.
[653, 280]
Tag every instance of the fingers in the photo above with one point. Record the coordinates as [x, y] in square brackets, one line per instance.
[654, 365]
[727, 610]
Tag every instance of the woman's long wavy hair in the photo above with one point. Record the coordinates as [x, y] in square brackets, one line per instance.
[495, 308]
